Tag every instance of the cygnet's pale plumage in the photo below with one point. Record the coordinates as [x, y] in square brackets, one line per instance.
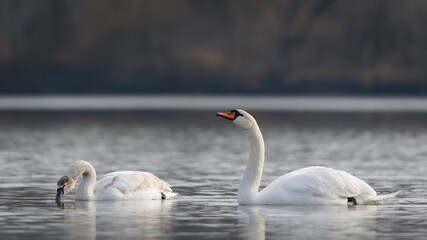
[306, 186]
[122, 185]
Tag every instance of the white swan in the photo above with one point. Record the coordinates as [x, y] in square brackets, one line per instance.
[123, 185]
[306, 186]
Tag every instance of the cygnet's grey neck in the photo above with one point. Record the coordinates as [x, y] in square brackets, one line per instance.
[85, 190]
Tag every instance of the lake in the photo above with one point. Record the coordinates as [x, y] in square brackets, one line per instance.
[203, 158]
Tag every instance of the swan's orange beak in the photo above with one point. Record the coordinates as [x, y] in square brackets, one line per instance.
[230, 116]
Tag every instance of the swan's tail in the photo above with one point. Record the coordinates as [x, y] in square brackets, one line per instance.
[169, 194]
[375, 200]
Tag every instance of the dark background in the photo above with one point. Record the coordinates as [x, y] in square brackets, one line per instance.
[323, 47]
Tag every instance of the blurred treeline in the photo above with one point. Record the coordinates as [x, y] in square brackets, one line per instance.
[215, 46]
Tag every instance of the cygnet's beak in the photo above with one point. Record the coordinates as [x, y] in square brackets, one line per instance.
[59, 194]
[230, 116]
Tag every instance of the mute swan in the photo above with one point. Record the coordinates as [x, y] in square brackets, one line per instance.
[123, 185]
[306, 186]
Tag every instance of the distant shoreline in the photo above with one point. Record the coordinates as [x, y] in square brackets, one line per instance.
[197, 103]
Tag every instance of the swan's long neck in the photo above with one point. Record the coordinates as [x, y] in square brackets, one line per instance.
[85, 190]
[248, 189]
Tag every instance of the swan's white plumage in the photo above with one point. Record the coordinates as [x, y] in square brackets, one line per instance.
[128, 185]
[314, 186]
[306, 186]
[121, 185]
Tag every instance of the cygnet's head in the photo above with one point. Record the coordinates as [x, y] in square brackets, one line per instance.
[64, 186]
[240, 118]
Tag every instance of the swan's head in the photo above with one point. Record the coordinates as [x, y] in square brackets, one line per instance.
[240, 118]
[64, 186]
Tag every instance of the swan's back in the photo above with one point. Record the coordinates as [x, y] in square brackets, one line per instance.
[315, 186]
[132, 185]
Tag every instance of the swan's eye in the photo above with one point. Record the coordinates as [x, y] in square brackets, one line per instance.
[237, 113]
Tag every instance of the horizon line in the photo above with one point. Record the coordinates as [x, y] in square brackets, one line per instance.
[212, 102]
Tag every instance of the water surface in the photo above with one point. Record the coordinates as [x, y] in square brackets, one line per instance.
[203, 158]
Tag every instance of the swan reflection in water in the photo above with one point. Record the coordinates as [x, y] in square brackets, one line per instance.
[308, 222]
[92, 219]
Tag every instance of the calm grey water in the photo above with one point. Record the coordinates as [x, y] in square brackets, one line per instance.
[203, 158]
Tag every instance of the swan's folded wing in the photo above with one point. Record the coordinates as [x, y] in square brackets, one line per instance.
[132, 181]
[323, 182]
